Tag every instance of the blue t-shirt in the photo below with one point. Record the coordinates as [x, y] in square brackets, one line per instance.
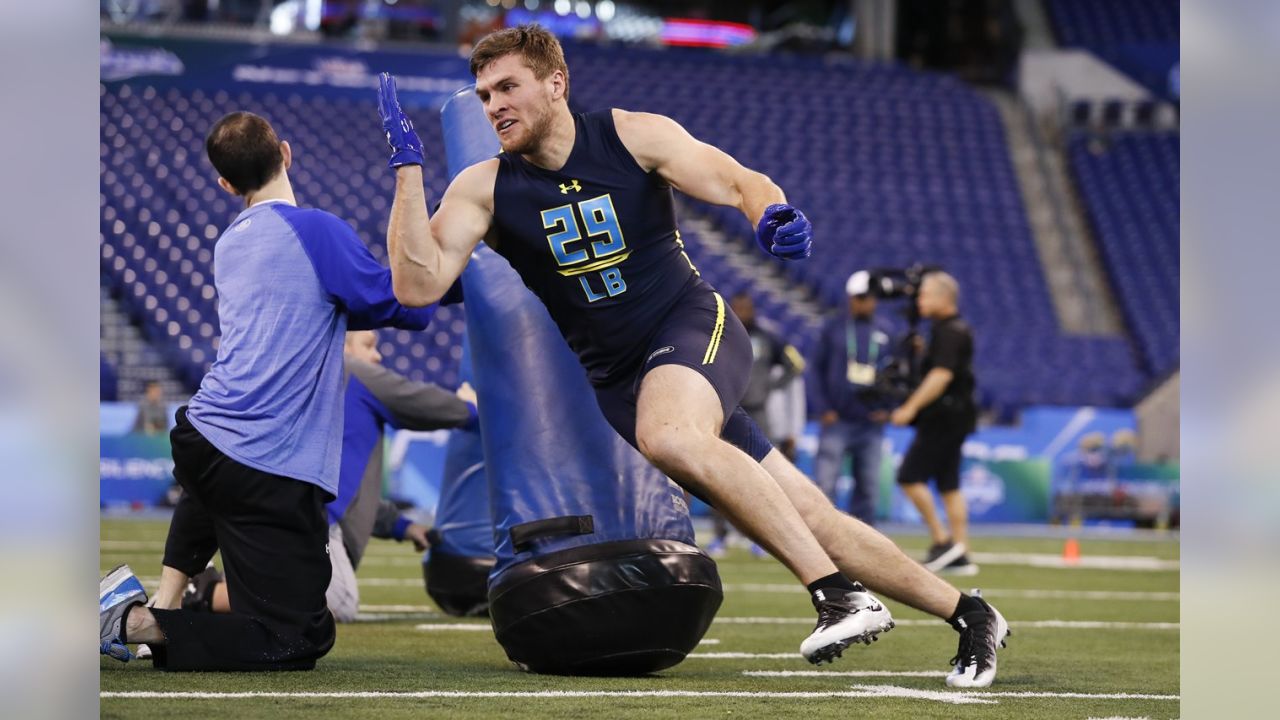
[290, 283]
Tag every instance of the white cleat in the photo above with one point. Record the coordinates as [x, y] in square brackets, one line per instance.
[981, 634]
[845, 617]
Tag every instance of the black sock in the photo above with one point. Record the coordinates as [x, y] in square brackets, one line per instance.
[966, 605]
[124, 622]
[834, 581]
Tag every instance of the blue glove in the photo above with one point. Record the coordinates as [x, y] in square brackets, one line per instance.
[406, 148]
[785, 232]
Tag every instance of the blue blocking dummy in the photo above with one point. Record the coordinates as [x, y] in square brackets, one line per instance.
[596, 569]
[456, 568]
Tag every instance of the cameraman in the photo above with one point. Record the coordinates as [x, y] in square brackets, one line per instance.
[944, 413]
[852, 350]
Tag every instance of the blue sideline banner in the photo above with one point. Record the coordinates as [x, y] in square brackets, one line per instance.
[423, 77]
[136, 469]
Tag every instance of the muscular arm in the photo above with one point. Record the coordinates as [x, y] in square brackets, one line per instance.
[693, 167]
[428, 253]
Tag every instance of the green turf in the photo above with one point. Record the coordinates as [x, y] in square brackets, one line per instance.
[390, 655]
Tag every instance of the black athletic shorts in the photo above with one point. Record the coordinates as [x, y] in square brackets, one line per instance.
[934, 453]
[701, 333]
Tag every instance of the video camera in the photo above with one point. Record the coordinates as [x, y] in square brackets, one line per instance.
[902, 376]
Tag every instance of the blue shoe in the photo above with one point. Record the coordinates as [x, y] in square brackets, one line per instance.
[716, 549]
[117, 592]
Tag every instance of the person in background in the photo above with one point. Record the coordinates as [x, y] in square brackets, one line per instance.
[852, 350]
[153, 411]
[944, 413]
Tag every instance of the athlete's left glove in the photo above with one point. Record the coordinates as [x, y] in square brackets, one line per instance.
[406, 148]
[785, 232]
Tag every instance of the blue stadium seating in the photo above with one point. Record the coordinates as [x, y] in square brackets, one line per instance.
[162, 211]
[1129, 184]
[1101, 24]
[892, 166]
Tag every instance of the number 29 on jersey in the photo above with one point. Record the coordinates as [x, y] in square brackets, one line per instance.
[587, 243]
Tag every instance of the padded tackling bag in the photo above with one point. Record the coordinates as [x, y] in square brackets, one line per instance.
[597, 572]
[456, 567]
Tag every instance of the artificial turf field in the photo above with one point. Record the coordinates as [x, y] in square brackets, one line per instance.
[1089, 642]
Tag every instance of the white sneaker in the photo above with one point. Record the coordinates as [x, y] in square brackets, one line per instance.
[845, 617]
[981, 633]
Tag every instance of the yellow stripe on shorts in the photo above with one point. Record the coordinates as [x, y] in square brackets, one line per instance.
[716, 333]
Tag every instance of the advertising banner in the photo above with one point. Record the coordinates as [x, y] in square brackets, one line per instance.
[423, 77]
[135, 469]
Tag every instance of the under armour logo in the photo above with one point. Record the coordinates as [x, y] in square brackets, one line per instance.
[573, 185]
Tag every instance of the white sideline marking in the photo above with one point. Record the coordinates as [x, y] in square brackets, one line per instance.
[981, 695]
[131, 544]
[367, 617]
[868, 692]
[708, 641]
[465, 627]
[792, 588]
[415, 609]
[1017, 624]
[856, 691]
[391, 560]
[1069, 695]
[1083, 595]
[390, 582]
[1141, 563]
[743, 656]
[844, 673]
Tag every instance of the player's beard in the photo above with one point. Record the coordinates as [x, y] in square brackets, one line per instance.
[538, 129]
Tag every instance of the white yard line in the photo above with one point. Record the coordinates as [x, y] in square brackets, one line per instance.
[1032, 594]
[1017, 624]
[955, 698]
[131, 545]
[857, 691]
[844, 673]
[413, 609]
[391, 582]
[1137, 563]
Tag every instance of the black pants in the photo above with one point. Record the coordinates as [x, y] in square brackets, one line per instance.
[274, 537]
[935, 452]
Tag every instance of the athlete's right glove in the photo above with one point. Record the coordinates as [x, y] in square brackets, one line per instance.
[406, 148]
[785, 232]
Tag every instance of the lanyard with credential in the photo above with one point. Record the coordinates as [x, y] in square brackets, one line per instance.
[855, 372]
[851, 343]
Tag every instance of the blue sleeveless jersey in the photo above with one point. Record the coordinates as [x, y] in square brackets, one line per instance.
[597, 242]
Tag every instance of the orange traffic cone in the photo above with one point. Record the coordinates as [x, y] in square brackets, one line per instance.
[1071, 551]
